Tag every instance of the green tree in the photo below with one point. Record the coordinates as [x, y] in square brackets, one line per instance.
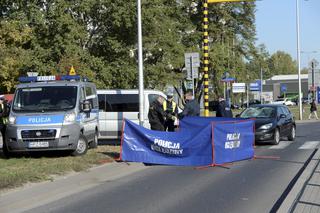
[98, 37]
[282, 63]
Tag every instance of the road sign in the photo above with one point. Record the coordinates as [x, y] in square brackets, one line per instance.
[255, 86]
[318, 94]
[193, 58]
[283, 88]
[72, 71]
[239, 87]
[195, 72]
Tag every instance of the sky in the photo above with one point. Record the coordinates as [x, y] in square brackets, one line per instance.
[276, 27]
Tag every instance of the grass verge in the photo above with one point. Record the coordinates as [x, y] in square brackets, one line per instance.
[17, 171]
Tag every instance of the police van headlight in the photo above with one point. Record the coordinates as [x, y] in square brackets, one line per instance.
[12, 120]
[69, 117]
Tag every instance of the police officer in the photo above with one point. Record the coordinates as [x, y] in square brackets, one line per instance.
[4, 112]
[156, 114]
[171, 110]
[192, 107]
[223, 110]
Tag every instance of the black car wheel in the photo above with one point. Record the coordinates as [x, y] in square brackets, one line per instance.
[292, 135]
[276, 137]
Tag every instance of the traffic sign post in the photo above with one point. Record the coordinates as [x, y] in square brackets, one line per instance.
[192, 62]
[255, 86]
[227, 80]
[283, 89]
[318, 95]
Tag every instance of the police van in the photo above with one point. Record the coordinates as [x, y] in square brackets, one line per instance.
[115, 105]
[53, 113]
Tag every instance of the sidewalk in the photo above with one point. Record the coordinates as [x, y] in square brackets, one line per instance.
[305, 195]
[26, 198]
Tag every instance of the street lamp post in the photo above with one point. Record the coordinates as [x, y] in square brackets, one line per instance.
[261, 84]
[140, 61]
[298, 57]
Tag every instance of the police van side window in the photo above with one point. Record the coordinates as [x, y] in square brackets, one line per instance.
[90, 95]
[89, 91]
[82, 94]
[102, 102]
[119, 103]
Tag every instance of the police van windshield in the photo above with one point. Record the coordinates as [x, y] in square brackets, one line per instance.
[45, 99]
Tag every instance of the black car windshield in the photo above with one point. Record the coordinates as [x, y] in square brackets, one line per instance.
[259, 112]
[45, 99]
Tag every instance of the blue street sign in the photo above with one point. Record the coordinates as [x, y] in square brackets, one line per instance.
[283, 88]
[318, 94]
[256, 86]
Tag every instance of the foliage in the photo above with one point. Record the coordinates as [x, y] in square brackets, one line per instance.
[99, 38]
[282, 63]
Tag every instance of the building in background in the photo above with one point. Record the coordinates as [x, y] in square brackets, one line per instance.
[286, 86]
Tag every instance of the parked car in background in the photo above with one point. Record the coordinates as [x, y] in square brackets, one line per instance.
[305, 100]
[271, 122]
[251, 102]
[213, 105]
[284, 101]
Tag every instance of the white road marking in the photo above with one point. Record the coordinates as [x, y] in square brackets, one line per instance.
[310, 145]
[281, 145]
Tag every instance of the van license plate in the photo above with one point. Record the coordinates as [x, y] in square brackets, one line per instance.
[41, 144]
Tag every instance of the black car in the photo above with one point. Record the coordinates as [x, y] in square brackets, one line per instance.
[271, 122]
[251, 102]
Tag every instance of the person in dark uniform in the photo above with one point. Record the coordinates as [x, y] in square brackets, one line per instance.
[223, 110]
[192, 107]
[157, 115]
[4, 113]
[171, 110]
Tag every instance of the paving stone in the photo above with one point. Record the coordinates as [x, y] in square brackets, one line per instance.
[311, 194]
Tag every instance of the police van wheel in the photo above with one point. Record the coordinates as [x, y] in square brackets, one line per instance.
[94, 143]
[82, 146]
[5, 152]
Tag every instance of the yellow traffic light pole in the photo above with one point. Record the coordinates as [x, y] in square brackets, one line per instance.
[206, 50]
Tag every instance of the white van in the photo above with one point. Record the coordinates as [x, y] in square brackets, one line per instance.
[53, 113]
[115, 105]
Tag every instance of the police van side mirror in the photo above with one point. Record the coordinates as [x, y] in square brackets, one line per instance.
[85, 106]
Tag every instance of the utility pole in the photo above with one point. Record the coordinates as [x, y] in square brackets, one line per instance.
[140, 62]
[298, 57]
[313, 87]
[261, 84]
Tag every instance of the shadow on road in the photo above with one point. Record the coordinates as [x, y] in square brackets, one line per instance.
[38, 154]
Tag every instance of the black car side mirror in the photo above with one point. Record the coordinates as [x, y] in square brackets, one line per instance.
[283, 116]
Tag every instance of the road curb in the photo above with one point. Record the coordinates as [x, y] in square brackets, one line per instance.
[294, 193]
[42, 193]
[306, 121]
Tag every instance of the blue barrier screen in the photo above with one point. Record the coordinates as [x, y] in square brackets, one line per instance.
[233, 141]
[172, 148]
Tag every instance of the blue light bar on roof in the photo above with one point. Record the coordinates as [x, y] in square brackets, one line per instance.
[27, 79]
[70, 77]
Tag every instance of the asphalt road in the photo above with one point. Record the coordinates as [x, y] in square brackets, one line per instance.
[248, 186]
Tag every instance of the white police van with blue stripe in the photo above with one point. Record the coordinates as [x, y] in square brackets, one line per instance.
[53, 113]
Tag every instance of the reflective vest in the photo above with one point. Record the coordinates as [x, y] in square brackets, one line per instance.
[174, 105]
